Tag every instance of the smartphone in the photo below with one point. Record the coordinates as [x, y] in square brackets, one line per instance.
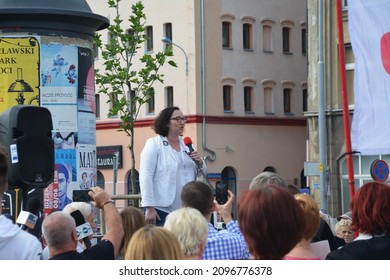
[81, 195]
[221, 193]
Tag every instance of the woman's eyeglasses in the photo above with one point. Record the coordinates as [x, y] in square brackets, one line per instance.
[179, 119]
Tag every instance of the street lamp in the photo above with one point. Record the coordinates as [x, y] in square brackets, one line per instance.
[168, 41]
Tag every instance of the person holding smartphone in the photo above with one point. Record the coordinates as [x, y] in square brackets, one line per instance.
[221, 245]
[59, 232]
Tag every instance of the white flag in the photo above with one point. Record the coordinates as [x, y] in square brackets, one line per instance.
[369, 29]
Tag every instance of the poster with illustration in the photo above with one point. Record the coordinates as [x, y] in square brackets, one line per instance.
[59, 72]
[86, 84]
[86, 164]
[19, 71]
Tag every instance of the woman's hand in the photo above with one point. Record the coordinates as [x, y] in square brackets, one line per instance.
[151, 215]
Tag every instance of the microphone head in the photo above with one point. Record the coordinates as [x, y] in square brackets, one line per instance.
[78, 217]
[187, 141]
[33, 205]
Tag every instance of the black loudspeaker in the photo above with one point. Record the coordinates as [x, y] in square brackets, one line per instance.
[25, 132]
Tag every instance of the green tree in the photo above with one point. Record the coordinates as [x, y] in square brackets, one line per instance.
[128, 88]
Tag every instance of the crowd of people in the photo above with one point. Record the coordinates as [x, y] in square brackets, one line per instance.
[274, 220]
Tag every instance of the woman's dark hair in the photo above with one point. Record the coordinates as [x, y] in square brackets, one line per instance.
[161, 122]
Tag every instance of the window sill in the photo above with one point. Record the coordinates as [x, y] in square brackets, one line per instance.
[249, 112]
[228, 111]
[288, 53]
[289, 114]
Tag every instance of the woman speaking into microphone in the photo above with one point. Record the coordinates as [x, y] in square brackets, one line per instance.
[166, 165]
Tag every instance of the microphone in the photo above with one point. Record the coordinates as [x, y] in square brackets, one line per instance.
[188, 143]
[27, 220]
[83, 229]
[29, 217]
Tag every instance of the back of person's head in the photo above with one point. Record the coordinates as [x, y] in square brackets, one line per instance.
[266, 215]
[370, 208]
[342, 223]
[57, 228]
[191, 229]
[153, 243]
[198, 195]
[267, 178]
[311, 215]
[84, 207]
[3, 170]
[132, 220]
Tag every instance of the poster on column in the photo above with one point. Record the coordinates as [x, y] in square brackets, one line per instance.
[19, 71]
[58, 194]
[86, 97]
[86, 164]
[59, 72]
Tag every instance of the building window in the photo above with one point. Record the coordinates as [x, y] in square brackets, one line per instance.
[227, 98]
[362, 171]
[226, 34]
[287, 100]
[304, 97]
[304, 41]
[248, 99]
[97, 105]
[149, 38]
[151, 105]
[247, 36]
[95, 51]
[110, 37]
[286, 39]
[345, 4]
[268, 101]
[168, 32]
[113, 99]
[169, 96]
[131, 97]
[267, 38]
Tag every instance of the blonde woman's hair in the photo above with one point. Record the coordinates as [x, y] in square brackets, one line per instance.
[342, 223]
[191, 229]
[311, 216]
[153, 243]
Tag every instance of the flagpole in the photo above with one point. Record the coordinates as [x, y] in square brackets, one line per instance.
[344, 95]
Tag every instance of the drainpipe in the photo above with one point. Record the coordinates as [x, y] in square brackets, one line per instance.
[212, 155]
[321, 109]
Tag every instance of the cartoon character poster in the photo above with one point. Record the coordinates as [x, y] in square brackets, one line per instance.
[59, 81]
